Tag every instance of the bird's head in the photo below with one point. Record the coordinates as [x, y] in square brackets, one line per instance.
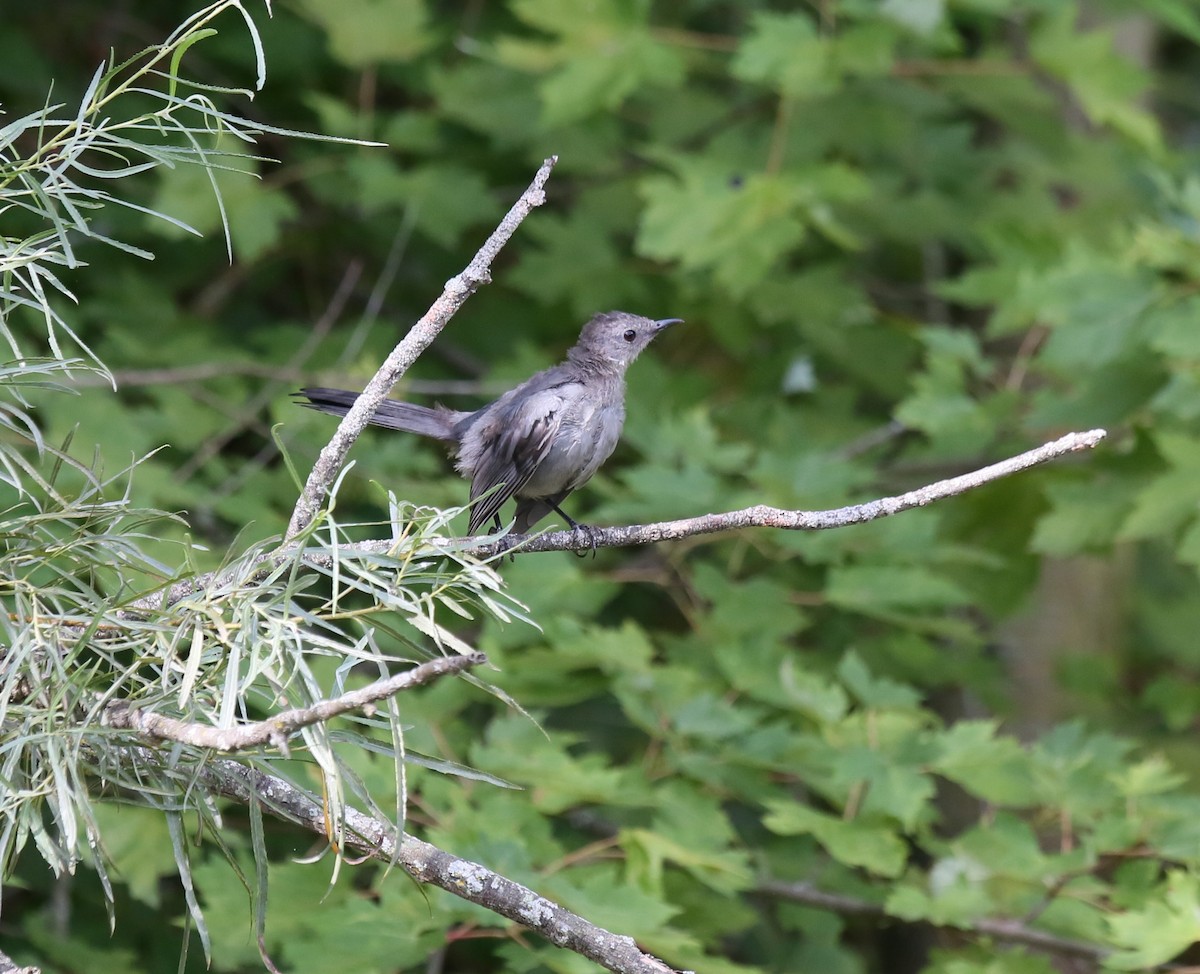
[616, 338]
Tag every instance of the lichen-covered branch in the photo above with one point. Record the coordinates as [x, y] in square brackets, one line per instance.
[429, 864]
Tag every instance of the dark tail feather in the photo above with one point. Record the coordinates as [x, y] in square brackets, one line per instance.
[391, 414]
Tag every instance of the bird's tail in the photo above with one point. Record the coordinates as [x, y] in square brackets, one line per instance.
[391, 414]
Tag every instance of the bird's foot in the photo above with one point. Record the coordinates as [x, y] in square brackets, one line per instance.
[576, 527]
[588, 533]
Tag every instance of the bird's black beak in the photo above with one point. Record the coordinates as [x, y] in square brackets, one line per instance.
[663, 322]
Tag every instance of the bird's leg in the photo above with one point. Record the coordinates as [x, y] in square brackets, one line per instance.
[576, 526]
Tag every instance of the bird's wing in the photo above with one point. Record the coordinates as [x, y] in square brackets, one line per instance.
[515, 443]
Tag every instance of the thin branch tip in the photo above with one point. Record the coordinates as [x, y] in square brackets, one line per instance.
[765, 516]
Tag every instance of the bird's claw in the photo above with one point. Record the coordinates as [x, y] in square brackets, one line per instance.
[587, 531]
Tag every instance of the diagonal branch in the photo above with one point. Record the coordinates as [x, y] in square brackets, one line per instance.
[419, 338]
[428, 864]
[276, 729]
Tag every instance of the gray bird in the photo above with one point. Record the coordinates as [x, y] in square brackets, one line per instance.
[539, 441]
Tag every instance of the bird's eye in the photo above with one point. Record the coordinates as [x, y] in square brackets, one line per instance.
[630, 335]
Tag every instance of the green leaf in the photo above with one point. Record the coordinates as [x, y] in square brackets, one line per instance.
[1171, 328]
[1087, 509]
[1162, 929]
[594, 277]
[725, 871]
[491, 99]
[784, 51]
[602, 77]
[600, 892]
[997, 769]
[711, 215]
[955, 896]
[1177, 703]
[1189, 545]
[367, 32]
[986, 960]
[919, 16]
[76, 953]
[706, 220]
[180, 51]
[1150, 776]
[874, 588]
[709, 717]
[1106, 84]
[602, 54]
[811, 694]
[256, 213]
[1085, 515]
[1171, 499]
[137, 841]
[517, 750]
[1074, 768]
[872, 691]
[866, 48]
[444, 199]
[854, 842]
[1180, 15]
[1006, 846]
[1094, 306]
[578, 18]
[894, 786]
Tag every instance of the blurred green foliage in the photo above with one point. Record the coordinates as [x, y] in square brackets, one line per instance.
[908, 238]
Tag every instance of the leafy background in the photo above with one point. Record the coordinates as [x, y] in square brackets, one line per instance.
[907, 237]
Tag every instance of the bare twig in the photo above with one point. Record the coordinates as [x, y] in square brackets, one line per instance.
[1011, 931]
[419, 337]
[276, 729]
[764, 516]
[383, 282]
[429, 864]
[877, 437]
